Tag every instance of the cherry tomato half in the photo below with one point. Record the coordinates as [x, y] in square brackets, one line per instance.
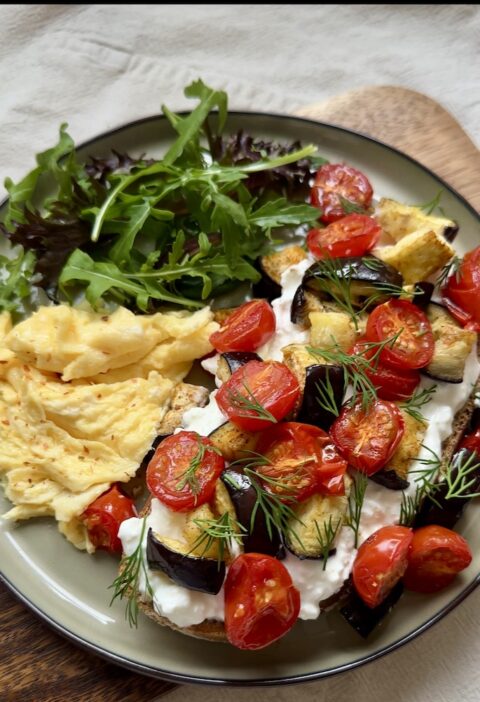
[353, 235]
[380, 563]
[258, 394]
[335, 181]
[463, 289]
[261, 602]
[415, 344]
[250, 326]
[367, 438]
[183, 471]
[303, 461]
[391, 383]
[471, 441]
[436, 556]
[103, 517]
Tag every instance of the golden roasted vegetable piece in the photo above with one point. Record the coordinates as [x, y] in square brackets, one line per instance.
[330, 328]
[276, 263]
[232, 442]
[417, 255]
[399, 220]
[409, 446]
[453, 345]
[315, 517]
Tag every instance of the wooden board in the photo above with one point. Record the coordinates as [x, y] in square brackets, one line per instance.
[37, 665]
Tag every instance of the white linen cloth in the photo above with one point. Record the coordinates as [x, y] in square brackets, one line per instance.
[98, 66]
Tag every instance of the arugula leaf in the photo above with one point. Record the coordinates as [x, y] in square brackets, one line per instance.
[120, 251]
[104, 276]
[280, 213]
[15, 276]
[21, 194]
[190, 126]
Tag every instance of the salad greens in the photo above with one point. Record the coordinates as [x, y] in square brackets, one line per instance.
[144, 232]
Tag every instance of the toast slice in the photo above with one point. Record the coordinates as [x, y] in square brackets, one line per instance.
[213, 630]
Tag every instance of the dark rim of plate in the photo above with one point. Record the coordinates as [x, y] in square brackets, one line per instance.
[307, 677]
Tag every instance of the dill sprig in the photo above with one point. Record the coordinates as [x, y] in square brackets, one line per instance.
[355, 370]
[430, 207]
[410, 505]
[327, 538]
[221, 531]
[355, 504]
[449, 269]
[189, 475]
[248, 403]
[326, 395]
[419, 399]
[276, 508]
[338, 287]
[456, 476]
[126, 584]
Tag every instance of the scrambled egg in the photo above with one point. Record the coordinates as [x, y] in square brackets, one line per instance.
[81, 398]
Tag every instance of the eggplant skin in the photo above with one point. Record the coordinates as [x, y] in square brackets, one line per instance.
[244, 497]
[311, 412]
[390, 479]
[365, 619]
[423, 293]
[192, 572]
[365, 274]
[237, 359]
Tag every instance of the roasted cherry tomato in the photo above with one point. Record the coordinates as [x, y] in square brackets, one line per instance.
[261, 602]
[250, 326]
[183, 471]
[380, 563]
[471, 441]
[353, 235]
[103, 517]
[367, 438]
[302, 461]
[258, 394]
[414, 345]
[462, 290]
[436, 556]
[336, 185]
[391, 383]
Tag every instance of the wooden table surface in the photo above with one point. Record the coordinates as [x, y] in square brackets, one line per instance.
[38, 665]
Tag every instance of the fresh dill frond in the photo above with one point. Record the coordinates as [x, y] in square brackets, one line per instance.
[248, 404]
[432, 205]
[355, 370]
[221, 531]
[126, 585]
[449, 269]
[355, 504]
[189, 475]
[410, 505]
[419, 399]
[326, 537]
[273, 497]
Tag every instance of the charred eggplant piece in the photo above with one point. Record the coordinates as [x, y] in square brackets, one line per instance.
[231, 361]
[390, 479]
[244, 497]
[423, 292]
[445, 512]
[192, 572]
[365, 619]
[365, 277]
[266, 287]
[298, 313]
[321, 376]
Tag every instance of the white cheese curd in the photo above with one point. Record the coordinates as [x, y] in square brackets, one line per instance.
[204, 420]
[181, 606]
[286, 332]
[381, 506]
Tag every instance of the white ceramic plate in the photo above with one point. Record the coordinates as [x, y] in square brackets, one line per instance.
[69, 589]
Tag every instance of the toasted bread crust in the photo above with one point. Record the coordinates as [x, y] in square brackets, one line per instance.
[212, 630]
